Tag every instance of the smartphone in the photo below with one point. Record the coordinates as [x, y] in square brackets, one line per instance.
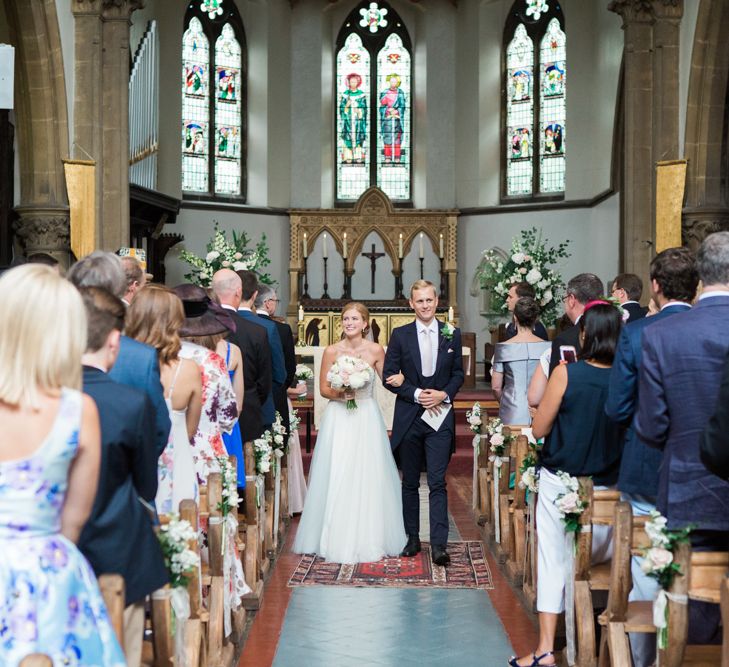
[568, 353]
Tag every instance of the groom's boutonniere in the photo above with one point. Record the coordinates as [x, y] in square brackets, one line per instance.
[447, 331]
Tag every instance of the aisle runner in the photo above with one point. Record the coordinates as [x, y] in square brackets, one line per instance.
[468, 569]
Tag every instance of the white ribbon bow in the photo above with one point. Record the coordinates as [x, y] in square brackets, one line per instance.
[180, 601]
[660, 614]
[569, 595]
[476, 451]
[498, 461]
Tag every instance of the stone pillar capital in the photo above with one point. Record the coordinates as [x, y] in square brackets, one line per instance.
[120, 10]
[43, 229]
[646, 11]
[86, 7]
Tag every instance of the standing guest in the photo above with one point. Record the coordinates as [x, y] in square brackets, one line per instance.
[203, 317]
[581, 289]
[266, 303]
[673, 285]
[50, 449]
[135, 278]
[155, 318]
[715, 440]
[522, 290]
[249, 291]
[627, 289]
[137, 364]
[683, 363]
[581, 441]
[515, 362]
[253, 343]
[119, 535]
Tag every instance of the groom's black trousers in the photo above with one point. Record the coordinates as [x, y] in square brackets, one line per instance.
[423, 444]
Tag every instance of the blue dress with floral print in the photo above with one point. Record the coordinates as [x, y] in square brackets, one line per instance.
[49, 599]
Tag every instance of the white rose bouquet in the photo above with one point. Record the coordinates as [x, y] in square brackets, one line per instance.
[294, 420]
[179, 559]
[350, 373]
[230, 486]
[263, 452]
[302, 374]
[570, 504]
[496, 436]
[473, 417]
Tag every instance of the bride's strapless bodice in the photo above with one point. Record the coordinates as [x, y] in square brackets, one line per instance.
[368, 391]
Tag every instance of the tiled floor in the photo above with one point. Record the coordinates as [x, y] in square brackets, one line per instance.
[343, 627]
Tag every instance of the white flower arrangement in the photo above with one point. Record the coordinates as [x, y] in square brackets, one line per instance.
[530, 479]
[230, 485]
[294, 420]
[280, 437]
[531, 260]
[350, 373]
[473, 417]
[496, 436]
[179, 559]
[303, 372]
[263, 452]
[570, 504]
[224, 254]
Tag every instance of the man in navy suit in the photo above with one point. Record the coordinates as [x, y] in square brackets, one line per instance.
[627, 288]
[118, 537]
[673, 284]
[429, 356]
[249, 290]
[137, 364]
[683, 363]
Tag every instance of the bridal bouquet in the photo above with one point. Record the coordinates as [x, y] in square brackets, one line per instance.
[350, 373]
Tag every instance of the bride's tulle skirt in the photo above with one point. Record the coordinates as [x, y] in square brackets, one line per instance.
[353, 510]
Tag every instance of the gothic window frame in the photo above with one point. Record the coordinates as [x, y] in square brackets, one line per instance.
[374, 43]
[536, 30]
[212, 27]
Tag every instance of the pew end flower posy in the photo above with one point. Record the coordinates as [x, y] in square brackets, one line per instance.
[530, 260]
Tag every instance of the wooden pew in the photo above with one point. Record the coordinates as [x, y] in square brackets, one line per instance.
[252, 566]
[112, 590]
[518, 514]
[725, 622]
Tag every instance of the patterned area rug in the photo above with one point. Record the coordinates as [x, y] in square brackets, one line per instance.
[468, 569]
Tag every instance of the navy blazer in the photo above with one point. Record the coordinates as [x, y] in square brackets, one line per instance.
[280, 397]
[138, 366]
[403, 355]
[683, 362]
[118, 537]
[715, 440]
[639, 464]
[635, 311]
[278, 366]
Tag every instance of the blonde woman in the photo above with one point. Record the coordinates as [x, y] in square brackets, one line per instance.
[154, 318]
[49, 462]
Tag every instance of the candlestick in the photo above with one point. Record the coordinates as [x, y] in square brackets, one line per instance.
[344, 246]
[399, 247]
[422, 249]
[324, 248]
[306, 249]
[301, 313]
[326, 283]
[305, 295]
[440, 254]
[450, 313]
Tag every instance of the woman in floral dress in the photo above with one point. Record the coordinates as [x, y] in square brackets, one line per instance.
[50, 449]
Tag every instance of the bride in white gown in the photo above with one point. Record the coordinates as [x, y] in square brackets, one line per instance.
[353, 510]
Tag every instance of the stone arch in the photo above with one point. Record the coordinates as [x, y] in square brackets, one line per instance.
[42, 126]
[707, 126]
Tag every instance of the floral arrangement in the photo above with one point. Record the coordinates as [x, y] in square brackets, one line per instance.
[447, 331]
[179, 559]
[473, 417]
[570, 504]
[294, 420]
[496, 436]
[279, 434]
[350, 373]
[528, 470]
[263, 452]
[225, 254]
[230, 486]
[303, 373]
[533, 261]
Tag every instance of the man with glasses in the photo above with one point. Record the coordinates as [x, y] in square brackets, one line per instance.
[627, 289]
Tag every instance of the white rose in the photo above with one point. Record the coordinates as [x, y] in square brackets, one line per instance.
[240, 266]
[518, 257]
[212, 255]
[238, 256]
[497, 440]
[569, 503]
[278, 439]
[475, 420]
[226, 262]
[542, 284]
[654, 529]
[522, 270]
[656, 559]
[533, 276]
[546, 297]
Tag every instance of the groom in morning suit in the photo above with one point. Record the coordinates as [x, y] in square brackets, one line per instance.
[431, 361]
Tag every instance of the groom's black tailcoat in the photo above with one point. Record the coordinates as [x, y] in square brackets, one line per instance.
[413, 440]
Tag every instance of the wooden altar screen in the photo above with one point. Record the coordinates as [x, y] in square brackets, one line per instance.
[372, 213]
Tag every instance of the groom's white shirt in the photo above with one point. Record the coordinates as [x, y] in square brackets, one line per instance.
[427, 335]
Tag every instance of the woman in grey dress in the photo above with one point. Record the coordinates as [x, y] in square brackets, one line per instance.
[515, 362]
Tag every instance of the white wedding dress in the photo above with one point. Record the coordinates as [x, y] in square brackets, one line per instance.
[353, 509]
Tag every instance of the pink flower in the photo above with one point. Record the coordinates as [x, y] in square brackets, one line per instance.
[569, 503]
[656, 559]
[497, 440]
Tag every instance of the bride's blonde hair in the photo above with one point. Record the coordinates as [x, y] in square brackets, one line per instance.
[362, 310]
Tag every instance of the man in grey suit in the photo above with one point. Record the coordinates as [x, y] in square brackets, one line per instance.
[683, 363]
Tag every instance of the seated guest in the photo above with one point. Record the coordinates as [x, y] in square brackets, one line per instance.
[522, 290]
[627, 288]
[119, 536]
[155, 318]
[204, 317]
[679, 382]
[580, 441]
[515, 362]
[715, 440]
[50, 448]
[137, 364]
[581, 289]
[673, 285]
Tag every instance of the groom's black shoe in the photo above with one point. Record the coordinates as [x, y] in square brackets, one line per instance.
[440, 555]
[412, 547]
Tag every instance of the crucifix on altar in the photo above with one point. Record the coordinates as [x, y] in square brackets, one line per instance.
[373, 257]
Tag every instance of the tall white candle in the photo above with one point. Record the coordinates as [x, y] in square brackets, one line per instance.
[422, 249]
[450, 313]
[306, 248]
[344, 246]
[441, 247]
[324, 247]
[399, 246]
[301, 313]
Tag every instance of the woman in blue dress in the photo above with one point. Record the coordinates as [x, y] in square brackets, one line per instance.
[50, 448]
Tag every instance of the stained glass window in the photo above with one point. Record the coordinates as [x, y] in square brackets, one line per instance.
[373, 104]
[213, 101]
[535, 57]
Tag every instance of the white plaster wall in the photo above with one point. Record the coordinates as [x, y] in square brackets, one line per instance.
[67, 30]
[685, 53]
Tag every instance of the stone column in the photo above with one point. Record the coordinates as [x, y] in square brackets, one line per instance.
[650, 60]
[116, 15]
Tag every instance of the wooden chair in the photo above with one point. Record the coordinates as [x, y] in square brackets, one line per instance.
[252, 566]
[589, 578]
[112, 590]
[518, 514]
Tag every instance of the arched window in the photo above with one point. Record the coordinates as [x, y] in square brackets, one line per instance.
[535, 57]
[213, 100]
[373, 104]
